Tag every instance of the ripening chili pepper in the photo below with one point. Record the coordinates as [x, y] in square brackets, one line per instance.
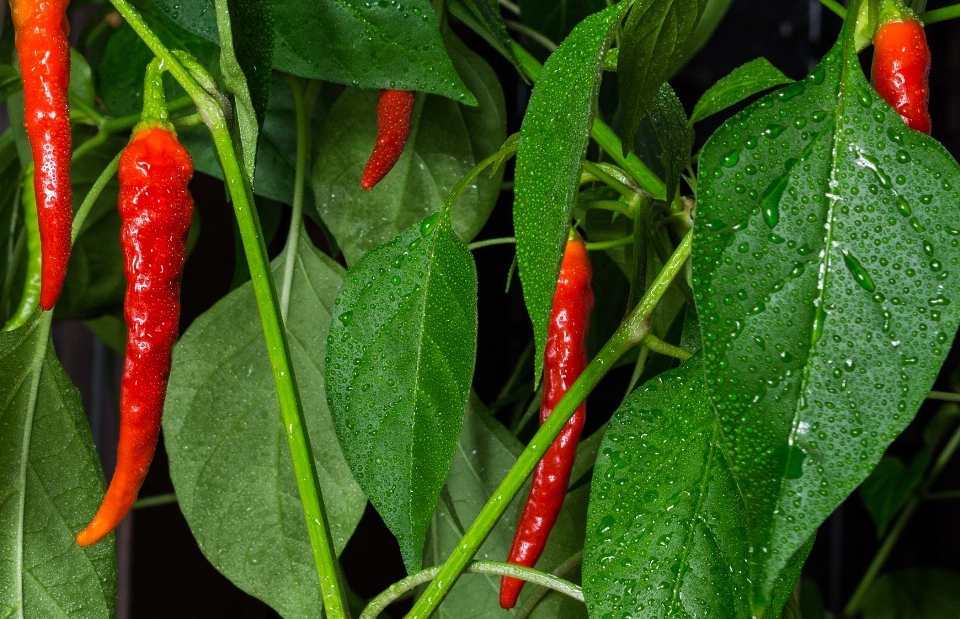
[901, 69]
[155, 212]
[41, 29]
[565, 357]
[30, 296]
[393, 128]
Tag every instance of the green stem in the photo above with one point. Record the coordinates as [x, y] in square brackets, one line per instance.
[657, 345]
[115, 125]
[155, 501]
[378, 604]
[539, 593]
[853, 606]
[265, 293]
[939, 496]
[94, 142]
[505, 240]
[303, 104]
[90, 199]
[609, 205]
[836, 7]
[602, 245]
[630, 333]
[602, 134]
[638, 367]
[598, 172]
[944, 396]
[96, 118]
[947, 12]
[531, 34]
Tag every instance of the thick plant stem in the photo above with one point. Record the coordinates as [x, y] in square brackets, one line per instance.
[631, 333]
[378, 604]
[268, 305]
[947, 12]
[856, 600]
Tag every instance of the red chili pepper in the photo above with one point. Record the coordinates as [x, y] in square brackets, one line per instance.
[393, 129]
[565, 357]
[41, 29]
[901, 70]
[155, 211]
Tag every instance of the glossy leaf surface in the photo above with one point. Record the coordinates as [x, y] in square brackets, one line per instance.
[746, 80]
[447, 139]
[354, 42]
[229, 458]
[553, 140]
[653, 43]
[400, 360]
[826, 256]
[667, 527]
[675, 136]
[50, 487]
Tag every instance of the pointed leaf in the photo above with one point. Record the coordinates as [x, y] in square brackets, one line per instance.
[553, 140]
[652, 45]
[401, 352]
[229, 458]
[51, 487]
[674, 134]
[447, 140]
[484, 18]
[825, 285]
[744, 81]
[889, 486]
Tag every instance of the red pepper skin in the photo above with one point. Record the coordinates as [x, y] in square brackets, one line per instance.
[155, 212]
[901, 71]
[41, 29]
[565, 357]
[393, 128]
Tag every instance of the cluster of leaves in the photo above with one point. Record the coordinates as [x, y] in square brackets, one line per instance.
[825, 246]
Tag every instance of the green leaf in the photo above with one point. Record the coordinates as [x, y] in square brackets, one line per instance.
[81, 78]
[811, 602]
[713, 14]
[52, 485]
[354, 42]
[919, 593]
[447, 140]
[485, 453]
[674, 134]
[401, 351]
[553, 140]
[95, 281]
[12, 254]
[667, 533]
[824, 283]
[889, 486]
[744, 81]
[484, 18]
[229, 458]
[246, 53]
[652, 45]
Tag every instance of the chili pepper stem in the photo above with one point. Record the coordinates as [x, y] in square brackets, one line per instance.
[265, 293]
[630, 333]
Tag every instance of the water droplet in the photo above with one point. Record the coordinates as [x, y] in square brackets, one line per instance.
[860, 274]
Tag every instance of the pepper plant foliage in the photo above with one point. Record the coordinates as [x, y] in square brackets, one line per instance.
[789, 293]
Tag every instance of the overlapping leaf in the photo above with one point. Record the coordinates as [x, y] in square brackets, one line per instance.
[553, 140]
[825, 268]
[50, 487]
[229, 458]
[400, 359]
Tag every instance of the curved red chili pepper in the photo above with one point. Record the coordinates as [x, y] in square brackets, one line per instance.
[41, 29]
[901, 71]
[155, 211]
[565, 357]
[393, 128]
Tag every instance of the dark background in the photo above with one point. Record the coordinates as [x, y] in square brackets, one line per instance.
[163, 573]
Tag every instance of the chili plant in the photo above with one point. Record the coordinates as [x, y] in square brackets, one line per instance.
[782, 298]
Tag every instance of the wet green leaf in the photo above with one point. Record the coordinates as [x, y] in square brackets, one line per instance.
[674, 134]
[652, 46]
[52, 486]
[744, 81]
[825, 278]
[914, 594]
[229, 458]
[556, 20]
[447, 139]
[484, 18]
[667, 533]
[355, 42]
[400, 359]
[553, 140]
